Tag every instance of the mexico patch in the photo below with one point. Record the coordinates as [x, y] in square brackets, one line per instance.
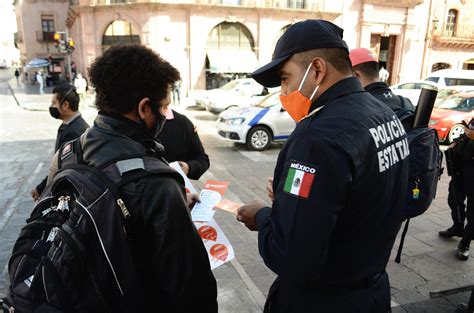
[299, 179]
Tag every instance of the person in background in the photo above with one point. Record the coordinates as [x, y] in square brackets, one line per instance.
[40, 80]
[81, 84]
[181, 142]
[17, 75]
[383, 74]
[365, 68]
[461, 190]
[65, 107]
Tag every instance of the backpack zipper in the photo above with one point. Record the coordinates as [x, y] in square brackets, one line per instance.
[102, 246]
[123, 208]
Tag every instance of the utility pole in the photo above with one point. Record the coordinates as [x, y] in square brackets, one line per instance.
[69, 57]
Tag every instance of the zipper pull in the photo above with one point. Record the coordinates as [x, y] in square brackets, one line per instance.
[123, 208]
[63, 203]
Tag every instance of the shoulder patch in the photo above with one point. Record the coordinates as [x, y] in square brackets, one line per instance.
[66, 151]
[299, 179]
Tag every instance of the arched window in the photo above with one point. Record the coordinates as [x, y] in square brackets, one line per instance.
[451, 22]
[280, 33]
[440, 66]
[232, 36]
[120, 32]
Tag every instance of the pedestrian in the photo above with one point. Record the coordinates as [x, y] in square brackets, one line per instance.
[133, 86]
[39, 79]
[383, 74]
[461, 190]
[17, 75]
[177, 93]
[81, 85]
[365, 68]
[65, 107]
[337, 201]
[181, 142]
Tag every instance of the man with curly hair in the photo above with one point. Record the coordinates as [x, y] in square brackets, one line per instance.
[133, 87]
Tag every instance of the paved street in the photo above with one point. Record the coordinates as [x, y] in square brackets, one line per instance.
[27, 135]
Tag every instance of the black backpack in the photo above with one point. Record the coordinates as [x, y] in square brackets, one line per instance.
[425, 169]
[74, 253]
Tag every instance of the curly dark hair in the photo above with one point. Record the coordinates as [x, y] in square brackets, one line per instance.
[125, 74]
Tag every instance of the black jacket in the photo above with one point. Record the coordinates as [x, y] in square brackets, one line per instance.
[182, 143]
[66, 132]
[339, 184]
[400, 105]
[168, 253]
[463, 153]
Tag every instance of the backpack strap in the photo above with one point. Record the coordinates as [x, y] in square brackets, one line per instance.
[402, 240]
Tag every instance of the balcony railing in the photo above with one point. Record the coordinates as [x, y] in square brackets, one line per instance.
[459, 32]
[311, 5]
[44, 36]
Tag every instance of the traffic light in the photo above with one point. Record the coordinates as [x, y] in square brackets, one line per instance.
[63, 43]
[70, 45]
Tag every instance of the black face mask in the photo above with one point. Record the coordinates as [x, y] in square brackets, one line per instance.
[157, 125]
[54, 112]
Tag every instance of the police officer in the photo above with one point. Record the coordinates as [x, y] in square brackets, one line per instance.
[365, 67]
[64, 107]
[461, 190]
[339, 182]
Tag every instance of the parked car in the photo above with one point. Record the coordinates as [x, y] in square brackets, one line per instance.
[239, 92]
[448, 115]
[257, 125]
[412, 90]
[444, 93]
[447, 77]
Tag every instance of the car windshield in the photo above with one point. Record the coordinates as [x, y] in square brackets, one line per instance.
[270, 100]
[230, 85]
[457, 103]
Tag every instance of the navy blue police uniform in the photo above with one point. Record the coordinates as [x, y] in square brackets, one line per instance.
[339, 185]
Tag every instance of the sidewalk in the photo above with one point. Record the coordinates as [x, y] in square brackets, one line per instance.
[427, 264]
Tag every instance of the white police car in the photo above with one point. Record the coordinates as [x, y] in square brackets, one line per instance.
[257, 125]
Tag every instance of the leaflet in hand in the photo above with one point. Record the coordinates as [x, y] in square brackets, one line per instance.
[187, 183]
[209, 197]
[216, 243]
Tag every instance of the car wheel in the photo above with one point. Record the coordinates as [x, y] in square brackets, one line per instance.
[455, 132]
[259, 138]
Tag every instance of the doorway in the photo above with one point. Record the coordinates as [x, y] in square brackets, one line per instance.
[384, 47]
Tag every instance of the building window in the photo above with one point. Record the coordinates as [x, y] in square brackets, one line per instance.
[451, 22]
[230, 36]
[296, 4]
[47, 27]
[120, 32]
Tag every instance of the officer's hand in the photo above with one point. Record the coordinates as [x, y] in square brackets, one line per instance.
[270, 188]
[452, 145]
[246, 213]
[184, 167]
[191, 199]
[35, 194]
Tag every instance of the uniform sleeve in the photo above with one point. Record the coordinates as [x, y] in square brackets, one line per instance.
[178, 256]
[294, 236]
[198, 160]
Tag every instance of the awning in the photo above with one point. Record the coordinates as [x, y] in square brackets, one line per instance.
[232, 61]
[37, 63]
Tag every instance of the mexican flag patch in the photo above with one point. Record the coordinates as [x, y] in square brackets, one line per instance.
[299, 180]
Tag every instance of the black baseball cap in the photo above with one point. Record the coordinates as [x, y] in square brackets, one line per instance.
[299, 37]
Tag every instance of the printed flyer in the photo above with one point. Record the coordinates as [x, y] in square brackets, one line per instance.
[217, 245]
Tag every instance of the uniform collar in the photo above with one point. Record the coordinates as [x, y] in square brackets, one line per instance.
[72, 118]
[339, 89]
[377, 86]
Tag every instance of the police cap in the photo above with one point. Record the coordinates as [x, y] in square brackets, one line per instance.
[299, 37]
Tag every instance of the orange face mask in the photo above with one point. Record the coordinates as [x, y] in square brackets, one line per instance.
[295, 103]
